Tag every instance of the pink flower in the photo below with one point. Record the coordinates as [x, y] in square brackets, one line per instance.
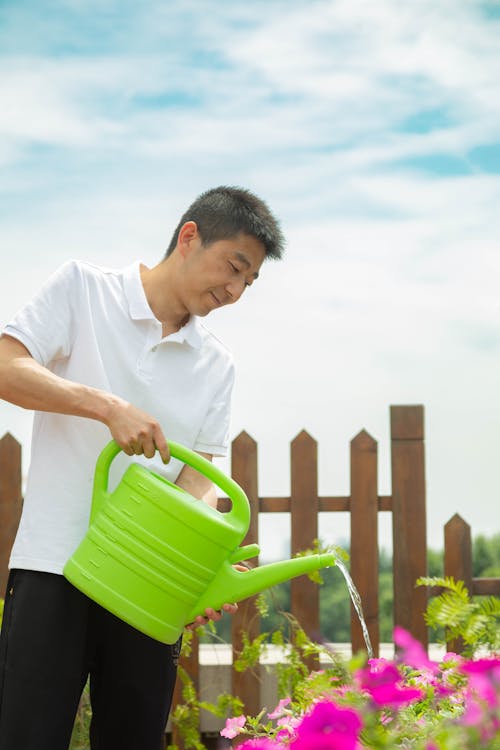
[377, 663]
[233, 727]
[453, 657]
[412, 651]
[425, 678]
[262, 743]
[328, 727]
[287, 726]
[384, 685]
[480, 666]
[473, 715]
[278, 711]
[325, 742]
[484, 679]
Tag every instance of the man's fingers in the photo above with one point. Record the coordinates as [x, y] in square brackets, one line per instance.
[149, 448]
[212, 614]
[146, 446]
[199, 620]
[162, 445]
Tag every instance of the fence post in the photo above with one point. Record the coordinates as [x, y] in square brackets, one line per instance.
[364, 539]
[304, 505]
[458, 561]
[10, 501]
[458, 551]
[409, 518]
[244, 470]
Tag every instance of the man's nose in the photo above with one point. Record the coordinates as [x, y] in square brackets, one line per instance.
[235, 289]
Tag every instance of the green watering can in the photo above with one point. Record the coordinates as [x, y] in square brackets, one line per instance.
[157, 557]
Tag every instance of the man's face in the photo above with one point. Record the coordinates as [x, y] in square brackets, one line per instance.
[217, 274]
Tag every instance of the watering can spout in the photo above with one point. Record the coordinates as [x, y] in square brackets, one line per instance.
[231, 585]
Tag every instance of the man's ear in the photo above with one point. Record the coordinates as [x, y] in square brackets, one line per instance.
[188, 237]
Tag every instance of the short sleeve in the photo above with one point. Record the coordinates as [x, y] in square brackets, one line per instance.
[213, 437]
[46, 325]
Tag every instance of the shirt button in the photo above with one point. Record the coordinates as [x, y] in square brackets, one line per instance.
[154, 348]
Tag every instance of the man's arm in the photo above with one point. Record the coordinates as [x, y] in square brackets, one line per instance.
[197, 484]
[27, 383]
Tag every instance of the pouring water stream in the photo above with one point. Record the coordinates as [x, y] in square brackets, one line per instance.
[356, 601]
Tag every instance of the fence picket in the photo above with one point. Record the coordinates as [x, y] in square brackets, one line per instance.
[458, 560]
[244, 470]
[364, 537]
[304, 527]
[408, 518]
[458, 550]
[10, 501]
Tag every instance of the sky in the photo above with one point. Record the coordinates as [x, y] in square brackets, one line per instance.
[372, 129]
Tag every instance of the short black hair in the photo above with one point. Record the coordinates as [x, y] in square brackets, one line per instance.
[224, 212]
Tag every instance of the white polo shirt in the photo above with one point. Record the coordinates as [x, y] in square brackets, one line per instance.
[94, 326]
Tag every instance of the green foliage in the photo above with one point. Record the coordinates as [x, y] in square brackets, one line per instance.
[486, 556]
[434, 562]
[186, 715]
[250, 653]
[319, 548]
[80, 734]
[475, 620]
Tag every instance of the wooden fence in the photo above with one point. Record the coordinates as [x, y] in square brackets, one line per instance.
[407, 504]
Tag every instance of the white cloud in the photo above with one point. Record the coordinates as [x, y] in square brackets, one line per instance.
[304, 77]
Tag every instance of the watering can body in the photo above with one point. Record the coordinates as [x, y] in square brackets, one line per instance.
[157, 557]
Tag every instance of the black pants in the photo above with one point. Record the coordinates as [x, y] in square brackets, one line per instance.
[52, 638]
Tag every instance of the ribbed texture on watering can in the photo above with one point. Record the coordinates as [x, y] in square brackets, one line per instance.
[163, 566]
[150, 487]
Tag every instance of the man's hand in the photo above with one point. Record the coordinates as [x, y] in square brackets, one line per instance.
[212, 614]
[135, 431]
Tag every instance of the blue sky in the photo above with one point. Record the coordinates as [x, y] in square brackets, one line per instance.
[373, 131]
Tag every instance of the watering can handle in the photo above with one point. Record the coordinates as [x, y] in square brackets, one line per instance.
[238, 516]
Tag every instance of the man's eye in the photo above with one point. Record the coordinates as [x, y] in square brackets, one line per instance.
[235, 269]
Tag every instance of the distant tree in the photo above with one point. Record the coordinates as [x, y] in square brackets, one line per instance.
[486, 556]
[434, 562]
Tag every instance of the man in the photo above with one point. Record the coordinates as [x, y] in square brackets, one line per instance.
[100, 353]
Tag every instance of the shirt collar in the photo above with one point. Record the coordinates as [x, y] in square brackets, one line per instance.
[191, 332]
[138, 304]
